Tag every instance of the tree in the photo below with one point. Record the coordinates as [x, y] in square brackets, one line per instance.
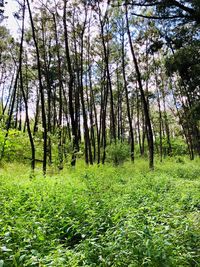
[145, 105]
[41, 90]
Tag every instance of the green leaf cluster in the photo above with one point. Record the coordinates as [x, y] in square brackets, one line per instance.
[101, 216]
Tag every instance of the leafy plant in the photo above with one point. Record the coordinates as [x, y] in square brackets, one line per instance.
[101, 216]
[117, 152]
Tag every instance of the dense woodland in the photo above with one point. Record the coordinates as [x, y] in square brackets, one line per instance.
[102, 99]
[87, 77]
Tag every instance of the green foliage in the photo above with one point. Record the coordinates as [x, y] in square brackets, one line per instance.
[179, 148]
[101, 216]
[117, 152]
[16, 145]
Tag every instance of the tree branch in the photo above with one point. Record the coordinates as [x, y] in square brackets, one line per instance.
[161, 18]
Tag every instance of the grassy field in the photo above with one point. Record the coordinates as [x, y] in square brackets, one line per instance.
[101, 216]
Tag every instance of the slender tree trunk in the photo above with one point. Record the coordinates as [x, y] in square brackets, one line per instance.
[9, 95]
[127, 100]
[17, 107]
[109, 83]
[100, 131]
[65, 110]
[41, 92]
[169, 150]
[70, 84]
[185, 134]
[138, 122]
[90, 110]
[88, 151]
[118, 106]
[35, 127]
[60, 144]
[49, 95]
[145, 105]
[160, 114]
[93, 111]
[24, 95]
[8, 122]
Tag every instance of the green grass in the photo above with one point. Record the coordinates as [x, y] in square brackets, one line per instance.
[101, 216]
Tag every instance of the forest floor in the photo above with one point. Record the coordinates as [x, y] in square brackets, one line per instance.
[101, 216]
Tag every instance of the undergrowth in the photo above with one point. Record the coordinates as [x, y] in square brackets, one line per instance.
[101, 215]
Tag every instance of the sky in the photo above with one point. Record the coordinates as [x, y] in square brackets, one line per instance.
[11, 22]
[13, 25]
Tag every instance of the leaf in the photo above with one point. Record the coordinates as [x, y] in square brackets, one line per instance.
[1, 263]
[22, 257]
[5, 249]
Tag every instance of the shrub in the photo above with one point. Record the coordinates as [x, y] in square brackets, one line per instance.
[117, 152]
[179, 147]
[16, 144]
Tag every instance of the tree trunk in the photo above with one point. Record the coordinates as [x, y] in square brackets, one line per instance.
[24, 95]
[60, 142]
[70, 93]
[145, 105]
[127, 100]
[41, 92]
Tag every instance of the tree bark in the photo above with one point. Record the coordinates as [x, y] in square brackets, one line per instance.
[145, 105]
[127, 101]
[24, 95]
[70, 92]
[41, 89]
